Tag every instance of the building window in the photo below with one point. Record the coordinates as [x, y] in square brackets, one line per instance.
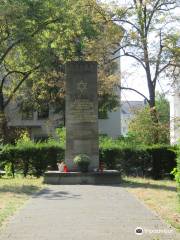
[27, 115]
[43, 113]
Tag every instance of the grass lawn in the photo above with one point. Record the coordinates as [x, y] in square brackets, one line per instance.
[158, 195]
[14, 193]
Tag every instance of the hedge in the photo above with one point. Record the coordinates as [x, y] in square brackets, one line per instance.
[163, 160]
[150, 161]
[177, 176]
[155, 161]
[31, 159]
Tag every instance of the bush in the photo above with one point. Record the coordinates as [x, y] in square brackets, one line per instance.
[82, 161]
[151, 125]
[27, 157]
[156, 161]
[163, 160]
[9, 170]
[31, 158]
[176, 171]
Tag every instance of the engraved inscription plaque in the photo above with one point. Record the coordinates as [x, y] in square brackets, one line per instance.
[81, 112]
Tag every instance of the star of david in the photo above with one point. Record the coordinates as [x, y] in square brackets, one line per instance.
[82, 87]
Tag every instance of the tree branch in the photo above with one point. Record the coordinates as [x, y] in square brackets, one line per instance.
[132, 56]
[165, 66]
[158, 58]
[128, 22]
[134, 90]
[9, 49]
[125, 46]
[151, 15]
[9, 73]
[165, 4]
[39, 28]
[26, 75]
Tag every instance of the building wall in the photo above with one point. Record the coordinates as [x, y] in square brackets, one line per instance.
[175, 114]
[37, 127]
[112, 125]
[128, 109]
[125, 119]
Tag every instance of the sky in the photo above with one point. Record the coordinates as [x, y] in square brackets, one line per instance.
[134, 77]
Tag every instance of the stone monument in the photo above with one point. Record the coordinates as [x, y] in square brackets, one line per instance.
[82, 128]
[81, 113]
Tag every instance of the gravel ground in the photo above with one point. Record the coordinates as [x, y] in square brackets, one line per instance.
[85, 212]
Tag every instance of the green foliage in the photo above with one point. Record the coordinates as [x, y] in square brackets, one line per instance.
[61, 132]
[127, 141]
[155, 161]
[9, 169]
[163, 160]
[37, 38]
[24, 139]
[107, 102]
[31, 159]
[176, 175]
[26, 157]
[176, 171]
[163, 108]
[147, 131]
[82, 161]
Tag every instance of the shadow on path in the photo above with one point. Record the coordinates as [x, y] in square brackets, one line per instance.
[56, 195]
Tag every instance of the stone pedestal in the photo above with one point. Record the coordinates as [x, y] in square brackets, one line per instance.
[71, 178]
[81, 113]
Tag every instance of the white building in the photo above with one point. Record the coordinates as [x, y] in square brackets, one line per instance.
[175, 114]
[117, 123]
[128, 109]
[112, 125]
[40, 125]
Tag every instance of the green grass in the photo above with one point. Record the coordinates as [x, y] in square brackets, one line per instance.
[159, 195]
[14, 193]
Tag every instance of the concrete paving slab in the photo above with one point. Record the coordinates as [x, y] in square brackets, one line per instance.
[86, 212]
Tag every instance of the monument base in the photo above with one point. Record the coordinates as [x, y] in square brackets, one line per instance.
[73, 178]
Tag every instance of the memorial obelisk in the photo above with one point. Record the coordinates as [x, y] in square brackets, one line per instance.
[81, 113]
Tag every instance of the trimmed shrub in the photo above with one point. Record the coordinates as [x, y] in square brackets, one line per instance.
[155, 161]
[163, 160]
[31, 159]
[178, 164]
[177, 172]
[34, 158]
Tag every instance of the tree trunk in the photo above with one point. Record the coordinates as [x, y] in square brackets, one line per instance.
[154, 114]
[152, 100]
[3, 121]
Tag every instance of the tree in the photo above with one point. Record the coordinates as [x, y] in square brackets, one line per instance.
[22, 27]
[163, 108]
[151, 39]
[38, 37]
[145, 130]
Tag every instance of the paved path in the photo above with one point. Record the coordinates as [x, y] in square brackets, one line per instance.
[85, 213]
